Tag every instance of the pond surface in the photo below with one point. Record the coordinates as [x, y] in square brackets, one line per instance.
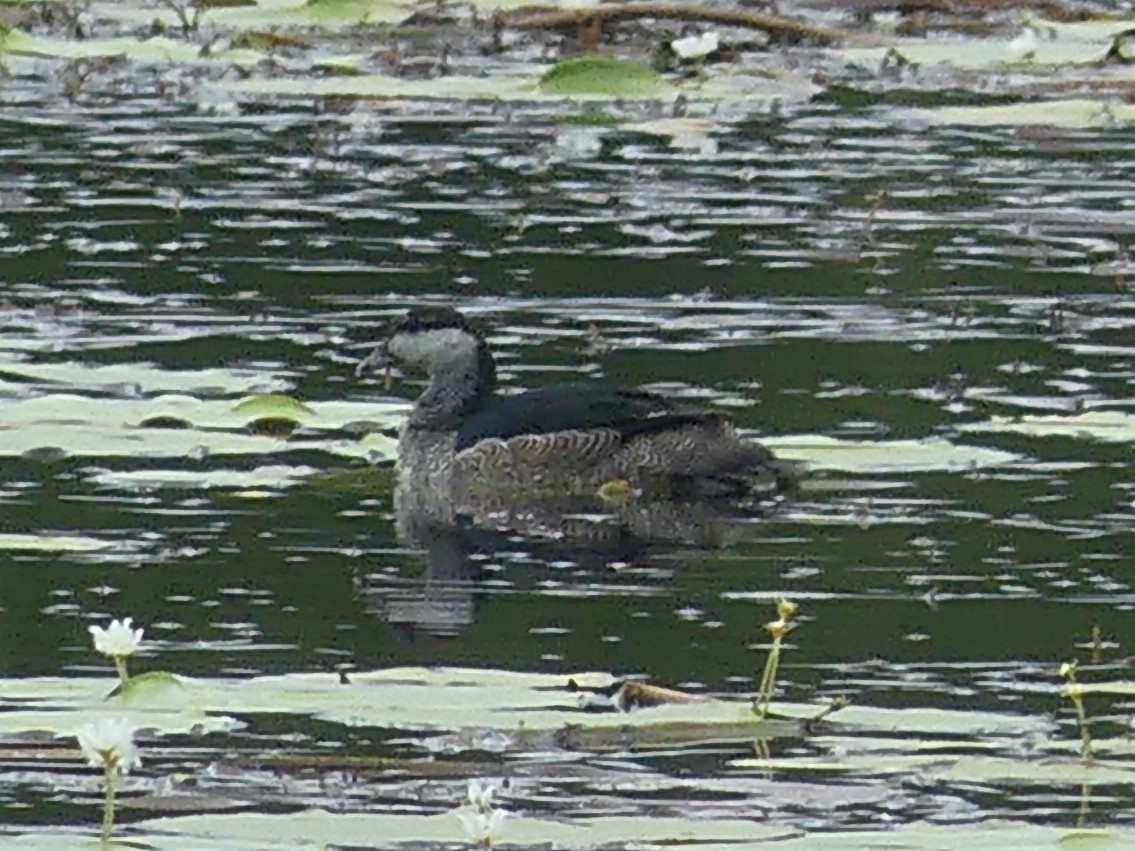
[954, 305]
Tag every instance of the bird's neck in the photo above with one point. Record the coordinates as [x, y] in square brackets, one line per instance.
[457, 388]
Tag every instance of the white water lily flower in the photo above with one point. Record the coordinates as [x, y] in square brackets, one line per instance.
[1023, 48]
[695, 46]
[480, 795]
[109, 743]
[482, 827]
[117, 640]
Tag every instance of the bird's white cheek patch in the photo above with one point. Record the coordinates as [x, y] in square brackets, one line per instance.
[432, 347]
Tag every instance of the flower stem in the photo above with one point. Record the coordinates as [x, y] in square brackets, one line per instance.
[120, 666]
[768, 680]
[108, 805]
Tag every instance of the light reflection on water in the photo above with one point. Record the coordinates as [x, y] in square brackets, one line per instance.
[821, 274]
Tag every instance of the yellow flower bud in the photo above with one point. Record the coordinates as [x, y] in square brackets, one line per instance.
[778, 628]
[785, 609]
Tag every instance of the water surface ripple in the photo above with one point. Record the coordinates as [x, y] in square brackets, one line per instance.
[826, 272]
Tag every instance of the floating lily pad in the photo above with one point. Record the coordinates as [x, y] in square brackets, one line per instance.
[64, 722]
[1080, 113]
[264, 14]
[589, 77]
[149, 51]
[985, 833]
[53, 543]
[385, 87]
[672, 128]
[182, 426]
[604, 76]
[829, 453]
[1124, 688]
[153, 687]
[1103, 425]
[1069, 771]
[320, 828]
[275, 405]
[277, 477]
[452, 699]
[138, 379]
[1022, 52]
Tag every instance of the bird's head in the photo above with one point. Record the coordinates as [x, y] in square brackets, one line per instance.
[426, 338]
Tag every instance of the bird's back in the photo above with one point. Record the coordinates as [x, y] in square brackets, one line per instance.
[574, 438]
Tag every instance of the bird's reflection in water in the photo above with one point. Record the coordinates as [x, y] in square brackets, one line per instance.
[459, 539]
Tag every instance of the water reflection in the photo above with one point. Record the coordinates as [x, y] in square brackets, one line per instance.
[458, 539]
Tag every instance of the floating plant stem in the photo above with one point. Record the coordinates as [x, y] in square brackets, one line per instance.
[1075, 693]
[835, 706]
[778, 629]
[108, 804]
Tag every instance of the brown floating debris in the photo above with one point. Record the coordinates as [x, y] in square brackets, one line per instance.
[635, 694]
[1053, 9]
[591, 21]
[625, 695]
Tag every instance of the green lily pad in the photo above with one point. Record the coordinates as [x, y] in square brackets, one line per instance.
[263, 15]
[75, 425]
[454, 698]
[152, 687]
[320, 828]
[64, 722]
[275, 406]
[605, 76]
[1021, 53]
[870, 456]
[1124, 688]
[53, 543]
[156, 50]
[276, 477]
[985, 769]
[357, 11]
[671, 128]
[1003, 835]
[385, 87]
[1078, 113]
[145, 378]
[1102, 425]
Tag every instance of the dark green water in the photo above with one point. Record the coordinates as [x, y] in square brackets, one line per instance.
[751, 274]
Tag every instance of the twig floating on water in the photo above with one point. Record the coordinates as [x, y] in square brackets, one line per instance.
[776, 27]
